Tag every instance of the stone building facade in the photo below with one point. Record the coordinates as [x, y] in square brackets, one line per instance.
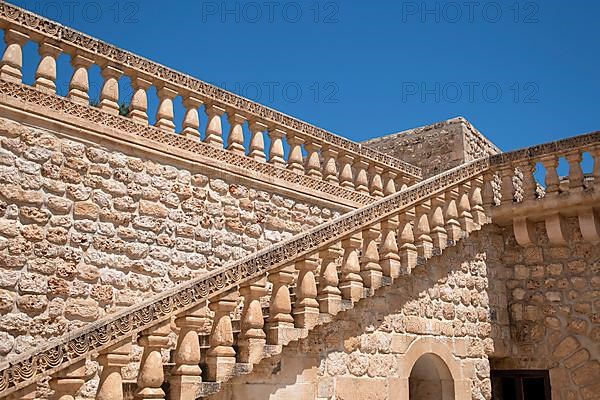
[138, 261]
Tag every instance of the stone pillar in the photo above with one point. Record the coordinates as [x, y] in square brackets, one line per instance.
[370, 270]
[465, 218]
[389, 187]
[214, 130]
[151, 374]
[112, 360]
[529, 186]
[252, 338]
[220, 357]
[67, 382]
[313, 160]
[389, 259]
[12, 60]
[408, 250]
[139, 100]
[507, 189]
[306, 309]
[235, 139]
[351, 284]
[45, 75]
[453, 228]
[330, 296]
[257, 141]
[595, 152]
[575, 171]
[280, 322]
[109, 96]
[191, 121]
[295, 160]
[80, 85]
[164, 114]
[276, 148]
[185, 376]
[423, 240]
[361, 182]
[346, 176]
[330, 170]
[551, 180]
[438, 231]
[376, 184]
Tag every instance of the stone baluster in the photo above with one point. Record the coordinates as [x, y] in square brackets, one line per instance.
[551, 179]
[330, 170]
[112, 360]
[12, 60]
[214, 130]
[306, 309]
[575, 171]
[280, 321]
[406, 240]
[406, 182]
[80, 85]
[595, 152]
[527, 168]
[276, 149]
[151, 374]
[370, 270]
[164, 114]
[67, 382]
[438, 234]
[465, 218]
[191, 120]
[453, 228]
[351, 284]
[109, 95]
[376, 184]
[389, 180]
[423, 240]
[252, 338]
[257, 141]
[313, 161]
[389, 259]
[45, 75]
[139, 100]
[346, 176]
[220, 357]
[295, 160]
[507, 189]
[235, 139]
[488, 192]
[361, 181]
[476, 200]
[186, 374]
[330, 296]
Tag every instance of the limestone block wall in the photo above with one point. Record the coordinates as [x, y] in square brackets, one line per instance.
[553, 298]
[86, 229]
[440, 311]
[438, 147]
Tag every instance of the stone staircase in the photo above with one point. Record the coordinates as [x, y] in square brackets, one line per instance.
[233, 318]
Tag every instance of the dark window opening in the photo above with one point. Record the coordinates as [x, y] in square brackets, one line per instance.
[520, 385]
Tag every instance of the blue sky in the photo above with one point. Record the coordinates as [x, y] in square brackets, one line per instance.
[522, 72]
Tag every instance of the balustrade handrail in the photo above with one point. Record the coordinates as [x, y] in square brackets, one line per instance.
[544, 149]
[64, 351]
[53, 32]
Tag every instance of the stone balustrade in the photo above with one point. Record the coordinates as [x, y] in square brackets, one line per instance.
[312, 275]
[294, 145]
[514, 196]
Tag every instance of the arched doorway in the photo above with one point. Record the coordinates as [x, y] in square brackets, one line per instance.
[430, 379]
